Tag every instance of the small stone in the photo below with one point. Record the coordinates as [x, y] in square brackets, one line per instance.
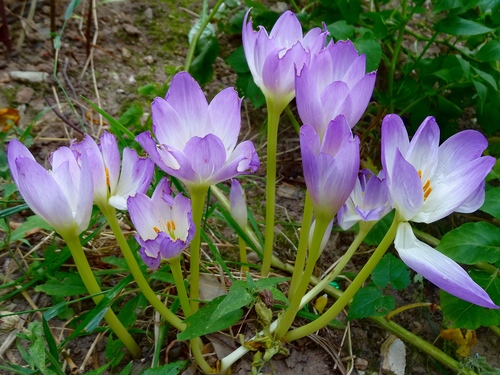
[8, 323]
[148, 13]
[149, 59]
[131, 30]
[4, 77]
[131, 79]
[393, 353]
[361, 364]
[33, 77]
[24, 94]
[126, 53]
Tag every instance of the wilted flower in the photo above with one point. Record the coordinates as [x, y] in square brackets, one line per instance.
[428, 182]
[111, 186]
[369, 201]
[334, 83]
[330, 165]
[164, 224]
[274, 58]
[238, 206]
[63, 197]
[197, 141]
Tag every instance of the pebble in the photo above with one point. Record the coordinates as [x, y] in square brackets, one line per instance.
[33, 77]
[393, 353]
[131, 30]
[24, 94]
[4, 77]
[361, 364]
[149, 59]
[126, 53]
[148, 13]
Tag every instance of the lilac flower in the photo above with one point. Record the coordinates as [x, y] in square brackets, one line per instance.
[330, 165]
[197, 141]
[63, 196]
[274, 58]
[428, 182]
[109, 185]
[369, 201]
[334, 83]
[238, 205]
[164, 224]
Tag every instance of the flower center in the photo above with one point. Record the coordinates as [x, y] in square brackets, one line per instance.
[170, 229]
[426, 187]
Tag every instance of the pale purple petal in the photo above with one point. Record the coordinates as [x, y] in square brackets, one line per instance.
[243, 160]
[438, 268]
[394, 136]
[15, 150]
[170, 248]
[182, 215]
[238, 205]
[406, 188]
[150, 252]
[287, 30]
[343, 54]
[111, 158]
[186, 96]
[475, 200]
[44, 196]
[159, 154]
[168, 127]
[141, 210]
[206, 155]
[358, 98]
[84, 196]
[423, 150]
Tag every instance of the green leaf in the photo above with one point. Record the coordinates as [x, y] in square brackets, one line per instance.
[270, 282]
[200, 324]
[489, 52]
[491, 203]
[235, 300]
[128, 313]
[371, 48]
[340, 30]
[71, 8]
[202, 66]
[173, 368]
[132, 115]
[247, 87]
[51, 342]
[487, 78]
[114, 352]
[471, 243]
[99, 370]
[65, 287]
[391, 270]
[238, 61]
[378, 232]
[455, 25]
[31, 222]
[461, 314]
[370, 301]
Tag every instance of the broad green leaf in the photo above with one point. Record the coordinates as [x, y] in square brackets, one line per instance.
[238, 61]
[64, 288]
[371, 48]
[114, 352]
[471, 243]
[71, 8]
[370, 301]
[391, 270]
[202, 66]
[455, 25]
[270, 282]
[31, 223]
[173, 368]
[98, 371]
[461, 314]
[247, 87]
[487, 78]
[491, 203]
[132, 115]
[235, 300]
[378, 232]
[482, 92]
[340, 30]
[200, 324]
[489, 52]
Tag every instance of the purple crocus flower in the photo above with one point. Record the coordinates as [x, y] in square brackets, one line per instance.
[164, 224]
[334, 83]
[111, 186]
[330, 165]
[428, 182]
[274, 58]
[197, 141]
[369, 201]
[63, 196]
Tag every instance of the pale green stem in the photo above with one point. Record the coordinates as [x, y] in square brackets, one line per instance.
[364, 228]
[495, 330]
[196, 343]
[346, 297]
[273, 117]
[314, 251]
[300, 259]
[197, 193]
[110, 214]
[93, 287]
[243, 254]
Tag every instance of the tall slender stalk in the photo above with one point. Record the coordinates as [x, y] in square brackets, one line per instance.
[198, 194]
[109, 213]
[273, 117]
[346, 297]
[93, 287]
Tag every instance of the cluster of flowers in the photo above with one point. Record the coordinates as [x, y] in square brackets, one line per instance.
[196, 142]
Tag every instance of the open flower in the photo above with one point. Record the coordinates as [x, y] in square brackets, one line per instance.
[330, 165]
[428, 182]
[369, 201]
[197, 141]
[274, 58]
[164, 224]
[334, 83]
[63, 196]
[111, 186]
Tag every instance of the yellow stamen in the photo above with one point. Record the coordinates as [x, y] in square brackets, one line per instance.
[108, 184]
[156, 229]
[420, 173]
[171, 228]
